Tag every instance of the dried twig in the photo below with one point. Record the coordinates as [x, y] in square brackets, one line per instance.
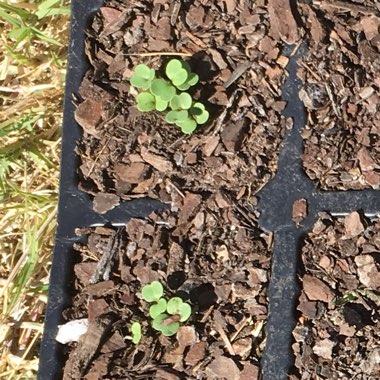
[223, 115]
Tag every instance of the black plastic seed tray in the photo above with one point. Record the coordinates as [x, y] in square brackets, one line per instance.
[276, 200]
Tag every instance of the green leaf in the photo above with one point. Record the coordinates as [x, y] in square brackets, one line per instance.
[136, 332]
[176, 116]
[188, 126]
[161, 105]
[181, 101]
[199, 113]
[192, 80]
[163, 89]
[44, 37]
[22, 13]
[152, 292]
[167, 329]
[176, 306]
[142, 77]
[51, 8]
[158, 308]
[20, 34]
[176, 72]
[10, 19]
[145, 102]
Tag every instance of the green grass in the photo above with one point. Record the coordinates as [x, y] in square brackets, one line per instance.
[32, 70]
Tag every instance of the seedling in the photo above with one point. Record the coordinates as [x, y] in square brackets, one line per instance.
[136, 332]
[166, 324]
[142, 77]
[166, 95]
[166, 315]
[176, 306]
[153, 291]
[158, 308]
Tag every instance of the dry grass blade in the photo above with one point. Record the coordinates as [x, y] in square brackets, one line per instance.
[32, 68]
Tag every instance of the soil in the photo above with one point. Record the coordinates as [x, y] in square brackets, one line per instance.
[338, 332]
[341, 94]
[202, 254]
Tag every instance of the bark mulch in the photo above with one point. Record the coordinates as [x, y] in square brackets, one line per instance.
[341, 93]
[338, 333]
[209, 259]
[130, 154]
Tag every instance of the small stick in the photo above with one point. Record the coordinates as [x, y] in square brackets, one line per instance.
[97, 157]
[330, 94]
[238, 331]
[226, 341]
[221, 118]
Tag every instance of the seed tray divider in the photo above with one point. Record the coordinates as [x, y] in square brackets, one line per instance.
[276, 201]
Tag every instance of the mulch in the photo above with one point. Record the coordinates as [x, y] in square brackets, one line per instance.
[207, 258]
[129, 154]
[341, 94]
[338, 333]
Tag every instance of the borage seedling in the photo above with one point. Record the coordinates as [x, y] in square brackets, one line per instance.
[166, 315]
[166, 95]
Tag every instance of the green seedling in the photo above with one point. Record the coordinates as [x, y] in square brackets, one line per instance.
[166, 324]
[152, 292]
[179, 72]
[174, 117]
[182, 101]
[145, 102]
[199, 113]
[187, 126]
[167, 95]
[166, 315]
[136, 332]
[162, 89]
[143, 77]
[158, 308]
[176, 306]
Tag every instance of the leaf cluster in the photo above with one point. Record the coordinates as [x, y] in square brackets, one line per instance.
[166, 314]
[168, 94]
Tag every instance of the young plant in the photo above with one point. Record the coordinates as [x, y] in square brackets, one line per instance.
[166, 315]
[136, 332]
[152, 292]
[142, 77]
[166, 95]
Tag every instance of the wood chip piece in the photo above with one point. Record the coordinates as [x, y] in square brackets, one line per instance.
[104, 202]
[299, 212]
[282, 22]
[317, 290]
[368, 273]
[223, 368]
[158, 162]
[353, 225]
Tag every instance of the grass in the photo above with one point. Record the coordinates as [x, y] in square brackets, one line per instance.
[32, 69]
